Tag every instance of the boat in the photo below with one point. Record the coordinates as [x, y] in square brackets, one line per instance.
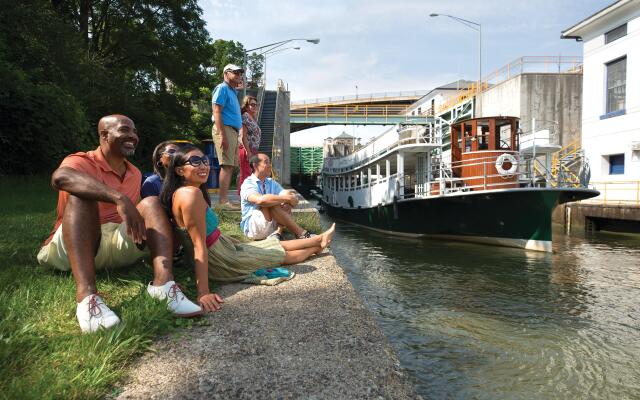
[479, 180]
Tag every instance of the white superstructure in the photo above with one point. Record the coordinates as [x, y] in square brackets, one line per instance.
[611, 98]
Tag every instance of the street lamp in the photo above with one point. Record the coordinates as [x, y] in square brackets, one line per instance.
[270, 53]
[476, 27]
[268, 47]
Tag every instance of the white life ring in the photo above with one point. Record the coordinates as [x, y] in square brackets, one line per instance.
[506, 158]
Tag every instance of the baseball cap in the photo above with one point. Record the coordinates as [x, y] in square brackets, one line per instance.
[232, 67]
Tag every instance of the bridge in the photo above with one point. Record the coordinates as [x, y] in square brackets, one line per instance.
[387, 108]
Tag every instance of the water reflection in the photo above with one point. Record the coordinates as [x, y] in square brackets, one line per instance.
[474, 321]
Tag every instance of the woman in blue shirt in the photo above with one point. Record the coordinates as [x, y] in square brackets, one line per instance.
[218, 257]
[160, 159]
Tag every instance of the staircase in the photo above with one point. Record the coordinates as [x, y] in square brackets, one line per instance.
[267, 121]
[566, 164]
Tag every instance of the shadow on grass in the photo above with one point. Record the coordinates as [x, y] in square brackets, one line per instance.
[42, 352]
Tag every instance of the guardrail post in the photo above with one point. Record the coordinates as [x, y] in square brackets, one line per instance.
[484, 174]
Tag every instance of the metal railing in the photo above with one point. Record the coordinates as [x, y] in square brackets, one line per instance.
[617, 192]
[391, 113]
[534, 64]
[378, 148]
[380, 96]
[525, 64]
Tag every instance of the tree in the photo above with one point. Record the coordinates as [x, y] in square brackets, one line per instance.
[66, 63]
[255, 70]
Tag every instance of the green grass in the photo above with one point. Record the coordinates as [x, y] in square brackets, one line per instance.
[42, 352]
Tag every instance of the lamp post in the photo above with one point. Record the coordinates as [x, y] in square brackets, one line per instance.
[270, 53]
[476, 27]
[268, 47]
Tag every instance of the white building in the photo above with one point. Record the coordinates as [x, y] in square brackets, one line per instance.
[611, 98]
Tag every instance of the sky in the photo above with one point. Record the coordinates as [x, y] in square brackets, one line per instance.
[369, 46]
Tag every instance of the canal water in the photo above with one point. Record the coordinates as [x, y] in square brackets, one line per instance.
[479, 322]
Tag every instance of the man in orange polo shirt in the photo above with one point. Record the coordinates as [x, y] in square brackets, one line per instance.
[99, 225]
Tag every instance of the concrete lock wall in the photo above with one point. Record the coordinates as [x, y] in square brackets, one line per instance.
[554, 100]
[281, 158]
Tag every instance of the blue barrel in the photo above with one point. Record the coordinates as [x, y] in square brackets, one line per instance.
[214, 173]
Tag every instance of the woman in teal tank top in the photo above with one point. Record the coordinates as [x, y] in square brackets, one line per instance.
[218, 257]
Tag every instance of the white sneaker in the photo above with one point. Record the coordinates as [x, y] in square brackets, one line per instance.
[93, 314]
[177, 302]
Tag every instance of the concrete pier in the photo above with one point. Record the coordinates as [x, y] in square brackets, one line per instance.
[308, 338]
[593, 216]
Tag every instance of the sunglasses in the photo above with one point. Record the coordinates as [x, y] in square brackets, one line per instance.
[170, 152]
[253, 104]
[197, 160]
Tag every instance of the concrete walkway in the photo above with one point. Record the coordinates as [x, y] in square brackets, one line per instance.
[308, 338]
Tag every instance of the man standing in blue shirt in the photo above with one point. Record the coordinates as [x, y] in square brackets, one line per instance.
[265, 204]
[227, 121]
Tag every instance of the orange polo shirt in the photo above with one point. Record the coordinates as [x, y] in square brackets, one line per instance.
[93, 163]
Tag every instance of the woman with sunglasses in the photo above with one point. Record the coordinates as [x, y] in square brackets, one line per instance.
[250, 134]
[218, 257]
[160, 159]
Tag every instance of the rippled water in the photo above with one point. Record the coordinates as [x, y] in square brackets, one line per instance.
[473, 321]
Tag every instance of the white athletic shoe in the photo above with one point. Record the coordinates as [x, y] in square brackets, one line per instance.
[177, 302]
[93, 314]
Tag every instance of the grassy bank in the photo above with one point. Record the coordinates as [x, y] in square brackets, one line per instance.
[42, 352]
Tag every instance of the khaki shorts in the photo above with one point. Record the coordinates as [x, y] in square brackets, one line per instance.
[116, 249]
[230, 156]
[259, 228]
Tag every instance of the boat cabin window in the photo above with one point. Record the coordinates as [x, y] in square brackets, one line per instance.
[483, 137]
[505, 137]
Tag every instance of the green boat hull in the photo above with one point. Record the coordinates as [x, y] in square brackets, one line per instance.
[511, 217]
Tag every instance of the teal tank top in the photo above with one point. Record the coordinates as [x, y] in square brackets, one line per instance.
[212, 221]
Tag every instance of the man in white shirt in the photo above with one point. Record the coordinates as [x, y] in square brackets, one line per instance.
[266, 206]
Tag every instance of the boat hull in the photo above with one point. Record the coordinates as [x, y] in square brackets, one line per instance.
[511, 217]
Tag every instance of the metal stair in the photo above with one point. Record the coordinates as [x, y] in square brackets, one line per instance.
[267, 121]
[566, 164]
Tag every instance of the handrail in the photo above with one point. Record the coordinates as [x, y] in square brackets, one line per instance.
[418, 139]
[362, 97]
[366, 110]
[607, 187]
[259, 99]
[524, 64]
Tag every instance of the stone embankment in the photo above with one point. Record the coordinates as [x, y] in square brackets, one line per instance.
[308, 338]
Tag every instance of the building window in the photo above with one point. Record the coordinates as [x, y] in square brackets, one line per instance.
[616, 164]
[615, 34]
[616, 84]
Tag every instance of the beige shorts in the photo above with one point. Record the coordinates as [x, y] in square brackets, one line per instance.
[116, 249]
[259, 228]
[229, 156]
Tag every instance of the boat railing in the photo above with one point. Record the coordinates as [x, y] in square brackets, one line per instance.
[529, 172]
[390, 141]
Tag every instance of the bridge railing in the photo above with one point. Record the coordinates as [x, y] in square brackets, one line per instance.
[380, 96]
[350, 110]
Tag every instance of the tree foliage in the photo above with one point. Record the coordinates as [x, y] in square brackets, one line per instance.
[66, 63]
